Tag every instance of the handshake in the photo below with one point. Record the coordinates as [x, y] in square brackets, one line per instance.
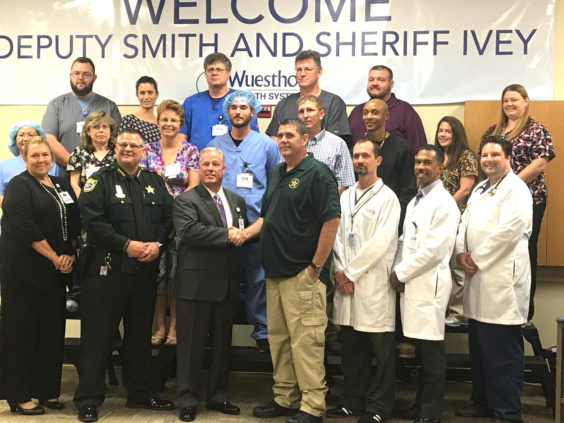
[236, 236]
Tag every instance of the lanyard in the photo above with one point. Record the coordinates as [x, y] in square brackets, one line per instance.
[353, 214]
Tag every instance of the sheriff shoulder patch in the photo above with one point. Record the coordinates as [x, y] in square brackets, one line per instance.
[90, 184]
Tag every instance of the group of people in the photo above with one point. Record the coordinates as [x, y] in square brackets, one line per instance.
[193, 209]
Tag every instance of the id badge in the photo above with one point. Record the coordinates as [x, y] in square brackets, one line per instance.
[244, 180]
[241, 223]
[79, 126]
[90, 170]
[104, 270]
[66, 197]
[172, 170]
[412, 243]
[219, 129]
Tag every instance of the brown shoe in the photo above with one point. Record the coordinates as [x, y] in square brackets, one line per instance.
[474, 410]
[405, 350]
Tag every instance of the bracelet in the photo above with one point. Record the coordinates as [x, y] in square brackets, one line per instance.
[126, 245]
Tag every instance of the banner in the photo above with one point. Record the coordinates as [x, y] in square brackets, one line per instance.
[441, 51]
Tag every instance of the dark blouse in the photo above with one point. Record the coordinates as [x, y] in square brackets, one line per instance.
[532, 143]
[150, 131]
[34, 212]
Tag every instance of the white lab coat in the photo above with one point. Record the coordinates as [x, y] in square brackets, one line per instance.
[364, 249]
[495, 229]
[422, 263]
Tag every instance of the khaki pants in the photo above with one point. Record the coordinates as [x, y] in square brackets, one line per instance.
[296, 321]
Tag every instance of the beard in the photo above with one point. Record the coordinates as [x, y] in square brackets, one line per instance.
[361, 170]
[241, 124]
[381, 95]
[82, 92]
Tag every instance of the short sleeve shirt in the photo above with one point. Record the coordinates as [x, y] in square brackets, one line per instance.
[467, 167]
[533, 143]
[87, 163]
[176, 177]
[294, 208]
[335, 120]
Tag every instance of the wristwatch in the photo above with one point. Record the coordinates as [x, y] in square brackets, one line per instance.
[159, 244]
[317, 268]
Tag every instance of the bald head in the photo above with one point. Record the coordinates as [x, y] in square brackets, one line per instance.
[374, 114]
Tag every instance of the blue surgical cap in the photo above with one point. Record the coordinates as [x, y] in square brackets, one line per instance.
[14, 131]
[242, 96]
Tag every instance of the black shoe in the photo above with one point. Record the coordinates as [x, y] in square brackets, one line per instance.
[426, 420]
[409, 413]
[371, 418]
[187, 414]
[53, 405]
[340, 411]
[225, 407]
[88, 413]
[35, 411]
[273, 409]
[153, 403]
[474, 410]
[263, 346]
[303, 417]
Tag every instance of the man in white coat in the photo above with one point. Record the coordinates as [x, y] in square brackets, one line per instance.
[422, 273]
[365, 303]
[492, 249]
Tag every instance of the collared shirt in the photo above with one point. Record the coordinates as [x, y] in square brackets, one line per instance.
[332, 150]
[225, 202]
[427, 189]
[403, 122]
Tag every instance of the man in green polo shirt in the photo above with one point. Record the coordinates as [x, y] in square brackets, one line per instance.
[299, 220]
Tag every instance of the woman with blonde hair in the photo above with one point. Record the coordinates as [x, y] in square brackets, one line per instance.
[40, 225]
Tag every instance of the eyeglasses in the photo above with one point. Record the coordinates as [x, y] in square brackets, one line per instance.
[218, 70]
[305, 70]
[78, 75]
[124, 145]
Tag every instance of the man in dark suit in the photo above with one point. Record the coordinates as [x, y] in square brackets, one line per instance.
[208, 220]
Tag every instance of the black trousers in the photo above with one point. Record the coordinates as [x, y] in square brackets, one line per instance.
[431, 386]
[194, 320]
[105, 300]
[497, 361]
[363, 390]
[32, 332]
[538, 213]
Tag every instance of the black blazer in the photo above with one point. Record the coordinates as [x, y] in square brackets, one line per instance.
[208, 267]
[31, 214]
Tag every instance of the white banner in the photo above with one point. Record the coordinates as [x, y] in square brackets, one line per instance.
[441, 51]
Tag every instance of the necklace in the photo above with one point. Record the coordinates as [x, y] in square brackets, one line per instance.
[61, 206]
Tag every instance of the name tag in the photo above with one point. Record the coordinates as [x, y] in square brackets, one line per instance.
[245, 180]
[79, 126]
[91, 170]
[219, 129]
[241, 223]
[66, 197]
[172, 170]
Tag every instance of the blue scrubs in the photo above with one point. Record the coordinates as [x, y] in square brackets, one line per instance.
[201, 113]
[257, 154]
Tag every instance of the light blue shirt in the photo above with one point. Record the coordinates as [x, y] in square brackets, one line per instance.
[257, 154]
[14, 166]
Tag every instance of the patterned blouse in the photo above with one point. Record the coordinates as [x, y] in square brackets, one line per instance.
[467, 167]
[150, 131]
[87, 163]
[533, 143]
[176, 176]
